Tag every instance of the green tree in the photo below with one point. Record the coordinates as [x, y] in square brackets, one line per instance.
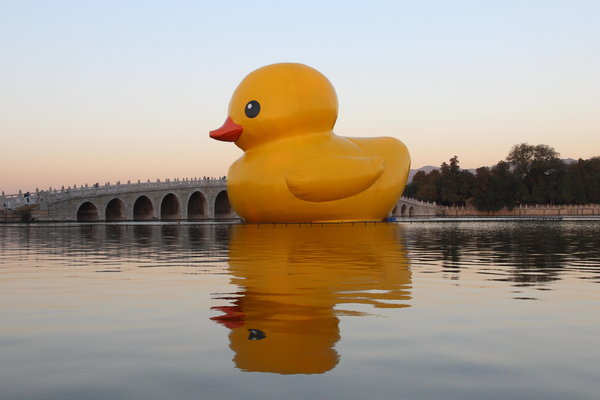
[530, 174]
[430, 189]
[577, 182]
[506, 185]
[494, 188]
[456, 184]
[522, 156]
[538, 170]
[484, 191]
[418, 180]
[591, 178]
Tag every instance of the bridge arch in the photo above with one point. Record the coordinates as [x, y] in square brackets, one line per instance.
[196, 207]
[115, 210]
[143, 210]
[196, 200]
[169, 207]
[411, 211]
[403, 210]
[222, 205]
[87, 212]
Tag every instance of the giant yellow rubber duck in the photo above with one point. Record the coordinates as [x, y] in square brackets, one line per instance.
[294, 168]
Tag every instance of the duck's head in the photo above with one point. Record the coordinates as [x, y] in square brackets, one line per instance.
[279, 101]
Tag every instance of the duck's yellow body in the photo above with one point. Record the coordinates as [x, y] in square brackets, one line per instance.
[295, 169]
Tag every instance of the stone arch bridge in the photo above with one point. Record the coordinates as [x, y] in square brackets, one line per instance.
[185, 199]
[409, 207]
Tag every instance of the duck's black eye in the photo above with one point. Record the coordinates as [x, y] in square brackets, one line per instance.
[252, 109]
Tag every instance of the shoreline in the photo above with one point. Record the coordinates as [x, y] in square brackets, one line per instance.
[399, 220]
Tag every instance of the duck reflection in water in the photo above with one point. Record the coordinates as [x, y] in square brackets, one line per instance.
[296, 280]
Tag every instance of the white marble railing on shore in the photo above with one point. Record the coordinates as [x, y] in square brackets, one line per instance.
[8, 201]
[546, 206]
[530, 206]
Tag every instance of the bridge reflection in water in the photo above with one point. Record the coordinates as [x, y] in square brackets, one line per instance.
[296, 280]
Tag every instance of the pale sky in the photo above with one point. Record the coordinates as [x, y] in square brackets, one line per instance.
[96, 91]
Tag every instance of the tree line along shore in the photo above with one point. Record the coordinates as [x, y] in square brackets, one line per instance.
[531, 175]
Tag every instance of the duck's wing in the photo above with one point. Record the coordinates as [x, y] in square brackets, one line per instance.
[334, 177]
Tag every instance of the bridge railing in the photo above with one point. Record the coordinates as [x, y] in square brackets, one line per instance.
[16, 201]
[53, 194]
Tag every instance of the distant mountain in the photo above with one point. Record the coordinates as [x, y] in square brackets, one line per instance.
[428, 168]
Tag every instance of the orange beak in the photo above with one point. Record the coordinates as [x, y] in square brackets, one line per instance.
[229, 132]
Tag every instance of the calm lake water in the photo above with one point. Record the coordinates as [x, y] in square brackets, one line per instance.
[490, 310]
